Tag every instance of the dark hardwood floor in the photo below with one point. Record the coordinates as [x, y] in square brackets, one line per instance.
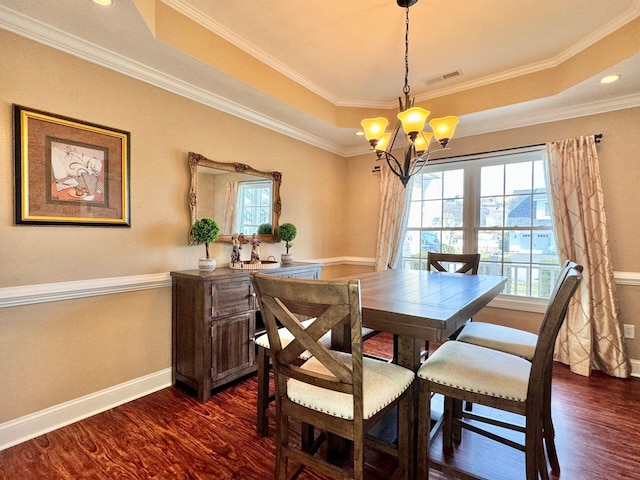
[169, 435]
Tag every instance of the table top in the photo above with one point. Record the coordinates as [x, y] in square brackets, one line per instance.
[428, 305]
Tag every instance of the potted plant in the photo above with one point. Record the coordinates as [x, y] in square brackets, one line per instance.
[265, 229]
[206, 230]
[287, 232]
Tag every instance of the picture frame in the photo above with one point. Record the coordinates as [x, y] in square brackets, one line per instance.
[70, 172]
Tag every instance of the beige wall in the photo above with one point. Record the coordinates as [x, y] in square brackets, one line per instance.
[619, 154]
[58, 351]
[55, 352]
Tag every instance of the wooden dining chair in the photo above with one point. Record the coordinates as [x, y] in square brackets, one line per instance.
[338, 393]
[465, 372]
[265, 395]
[523, 344]
[462, 262]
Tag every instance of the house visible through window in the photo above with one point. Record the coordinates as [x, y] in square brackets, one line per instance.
[254, 206]
[495, 205]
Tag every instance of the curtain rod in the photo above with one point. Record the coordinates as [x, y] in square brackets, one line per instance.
[597, 137]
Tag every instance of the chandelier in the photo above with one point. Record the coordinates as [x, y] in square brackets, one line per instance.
[412, 120]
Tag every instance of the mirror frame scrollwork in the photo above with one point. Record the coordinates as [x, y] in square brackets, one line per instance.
[195, 160]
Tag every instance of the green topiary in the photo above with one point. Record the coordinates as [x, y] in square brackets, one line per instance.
[265, 229]
[287, 232]
[205, 230]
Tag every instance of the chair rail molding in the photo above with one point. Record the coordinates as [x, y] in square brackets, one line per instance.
[52, 292]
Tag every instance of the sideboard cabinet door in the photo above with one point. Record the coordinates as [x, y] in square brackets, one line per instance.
[214, 322]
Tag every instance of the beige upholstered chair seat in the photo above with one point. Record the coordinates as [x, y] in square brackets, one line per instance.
[498, 337]
[286, 337]
[382, 383]
[479, 370]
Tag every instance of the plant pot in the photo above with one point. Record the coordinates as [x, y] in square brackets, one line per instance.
[207, 264]
[286, 258]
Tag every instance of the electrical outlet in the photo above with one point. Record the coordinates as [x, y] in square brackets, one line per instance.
[629, 331]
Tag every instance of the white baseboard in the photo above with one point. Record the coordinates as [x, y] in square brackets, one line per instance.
[36, 424]
[58, 416]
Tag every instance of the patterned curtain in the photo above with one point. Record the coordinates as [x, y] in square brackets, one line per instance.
[591, 336]
[393, 197]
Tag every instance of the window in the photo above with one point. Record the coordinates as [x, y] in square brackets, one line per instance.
[495, 205]
[254, 205]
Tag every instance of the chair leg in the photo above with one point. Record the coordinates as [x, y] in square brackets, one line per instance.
[395, 349]
[262, 422]
[447, 426]
[547, 425]
[535, 460]
[456, 427]
[424, 430]
[550, 444]
[282, 442]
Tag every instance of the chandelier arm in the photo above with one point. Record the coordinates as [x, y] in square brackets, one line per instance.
[408, 164]
[421, 161]
[394, 136]
[395, 169]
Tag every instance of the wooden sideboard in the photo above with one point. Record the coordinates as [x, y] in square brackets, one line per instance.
[215, 318]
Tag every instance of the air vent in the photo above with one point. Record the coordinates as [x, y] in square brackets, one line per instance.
[442, 78]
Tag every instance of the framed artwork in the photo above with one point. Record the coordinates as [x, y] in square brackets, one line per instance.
[69, 172]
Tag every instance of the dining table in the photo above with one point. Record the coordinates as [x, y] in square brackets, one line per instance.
[417, 306]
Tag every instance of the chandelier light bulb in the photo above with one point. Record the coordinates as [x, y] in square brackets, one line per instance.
[413, 120]
[374, 128]
[444, 128]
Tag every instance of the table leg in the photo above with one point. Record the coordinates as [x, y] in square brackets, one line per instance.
[409, 357]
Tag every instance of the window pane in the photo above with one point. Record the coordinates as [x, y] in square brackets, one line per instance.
[491, 212]
[518, 210]
[492, 180]
[432, 186]
[452, 213]
[414, 219]
[518, 178]
[452, 241]
[432, 213]
[539, 176]
[541, 211]
[429, 242]
[490, 244]
[453, 184]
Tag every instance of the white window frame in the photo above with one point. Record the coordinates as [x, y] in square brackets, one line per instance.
[472, 165]
[241, 226]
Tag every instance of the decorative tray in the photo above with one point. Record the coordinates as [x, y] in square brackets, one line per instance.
[247, 265]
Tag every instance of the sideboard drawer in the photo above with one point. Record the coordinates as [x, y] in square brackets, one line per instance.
[231, 297]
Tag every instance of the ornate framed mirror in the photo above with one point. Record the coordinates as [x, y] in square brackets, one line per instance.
[214, 191]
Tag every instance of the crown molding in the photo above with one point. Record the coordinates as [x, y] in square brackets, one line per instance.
[528, 117]
[60, 40]
[223, 32]
[220, 30]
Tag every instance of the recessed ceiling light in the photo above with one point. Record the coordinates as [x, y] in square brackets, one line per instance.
[102, 2]
[359, 133]
[610, 78]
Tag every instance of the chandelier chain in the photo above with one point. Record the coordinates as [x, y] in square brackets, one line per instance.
[406, 89]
